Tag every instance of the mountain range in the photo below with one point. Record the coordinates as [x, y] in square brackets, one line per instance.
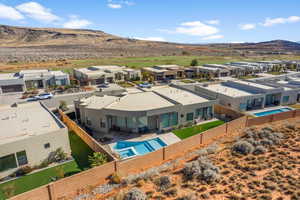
[36, 44]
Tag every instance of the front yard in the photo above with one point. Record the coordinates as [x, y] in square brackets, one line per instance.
[80, 153]
[194, 130]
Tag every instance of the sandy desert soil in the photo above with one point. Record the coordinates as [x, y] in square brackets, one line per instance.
[273, 174]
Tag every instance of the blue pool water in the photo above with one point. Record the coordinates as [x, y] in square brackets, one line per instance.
[271, 112]
[128, 149]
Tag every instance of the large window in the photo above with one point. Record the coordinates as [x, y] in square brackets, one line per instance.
[8, 162]
[168, 120]
[285, 99]
[189, 116]
[22, 158]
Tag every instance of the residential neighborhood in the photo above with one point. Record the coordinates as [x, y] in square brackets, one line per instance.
[149, 100]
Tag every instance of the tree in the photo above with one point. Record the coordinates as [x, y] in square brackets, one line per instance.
[63, 106]
[97, 159]
[194, 62]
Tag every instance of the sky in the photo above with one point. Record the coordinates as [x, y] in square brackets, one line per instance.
[182, 21]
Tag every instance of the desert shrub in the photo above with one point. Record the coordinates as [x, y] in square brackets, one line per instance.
[209, 176]
[242, 147]
[171, 192]
[135, 194]
[163, 183]
[187, 197]
[202, 169]
[212, 148]
[259, 150]
[115, 178]
[253, 141]
[191, 170]
[290, 126]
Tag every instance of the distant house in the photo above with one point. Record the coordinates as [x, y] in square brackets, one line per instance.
[29, 134]
[105, 74]
[246, 95]
[28, 79]
[165, 72]
[156, 109]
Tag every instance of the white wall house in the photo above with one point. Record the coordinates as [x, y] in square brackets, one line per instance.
[154, 110]
[246, 95]
[101, 74]
[28, 79]
[29, 133]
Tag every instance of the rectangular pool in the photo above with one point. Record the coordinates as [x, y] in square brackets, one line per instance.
[271, 112]
[128, 149]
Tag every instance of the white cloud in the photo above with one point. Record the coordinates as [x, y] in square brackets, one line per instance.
[7, 12]
[280, 20]
[213, 22]
[213, 37]
[159, 39]
[75, 22]
[118, 4]
[196, 28]
[247, 26]
[114, 6]
[38, 12]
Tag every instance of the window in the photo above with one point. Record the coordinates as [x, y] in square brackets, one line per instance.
[47, 145]
[189, 116]
[22, 158]
[88, 122]
[169, 119]
[8, 162]
[285, 99]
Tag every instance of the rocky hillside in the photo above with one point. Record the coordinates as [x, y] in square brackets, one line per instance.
[42, 44]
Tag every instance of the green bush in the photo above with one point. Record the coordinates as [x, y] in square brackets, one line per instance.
[97, 159]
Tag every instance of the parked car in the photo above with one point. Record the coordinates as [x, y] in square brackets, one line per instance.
[44, 96]
[32, 99]
[145, 85]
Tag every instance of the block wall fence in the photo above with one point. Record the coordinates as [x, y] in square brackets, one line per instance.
[72, 185]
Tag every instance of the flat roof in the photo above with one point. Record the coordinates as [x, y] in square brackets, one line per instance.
[7, 76]
[181, 96]
[151, 69]
[140, 102]
[226, 90]
[25, 120]
[98, 102]
[257, 85]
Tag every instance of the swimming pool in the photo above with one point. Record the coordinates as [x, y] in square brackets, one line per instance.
[271, 112]
[128, 149]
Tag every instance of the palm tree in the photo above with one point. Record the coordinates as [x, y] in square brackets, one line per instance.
[97, 159]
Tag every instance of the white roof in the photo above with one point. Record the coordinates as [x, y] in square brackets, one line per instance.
[151, 69]
[228, 91]
[98, 102]
[25, 120]
[181, 96]
[257, 85]
[140, 102]
[7, 76]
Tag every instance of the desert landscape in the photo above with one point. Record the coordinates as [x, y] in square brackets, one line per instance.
[262, 164]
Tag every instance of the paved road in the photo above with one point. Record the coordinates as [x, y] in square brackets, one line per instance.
[50, 103]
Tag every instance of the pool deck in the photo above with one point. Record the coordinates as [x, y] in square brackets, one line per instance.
[252, 112]
[167, 138]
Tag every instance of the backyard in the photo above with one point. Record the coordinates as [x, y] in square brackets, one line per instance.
[194, 130]
[80, 153]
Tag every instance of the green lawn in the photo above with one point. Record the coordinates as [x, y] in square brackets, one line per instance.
[80, 152]
[248, 77]
[194, 130]
[276, 73]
